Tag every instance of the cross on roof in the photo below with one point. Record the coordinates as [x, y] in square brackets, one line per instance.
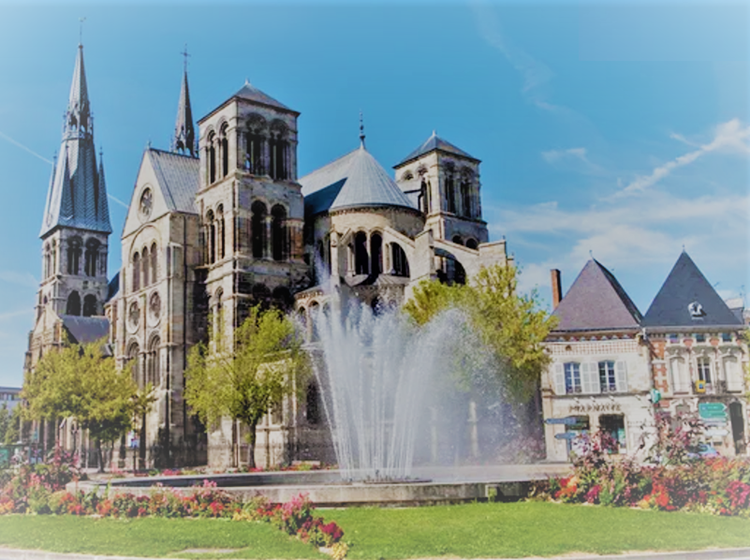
[185, 54]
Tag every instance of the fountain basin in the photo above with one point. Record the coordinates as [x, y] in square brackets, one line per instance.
[435, 485]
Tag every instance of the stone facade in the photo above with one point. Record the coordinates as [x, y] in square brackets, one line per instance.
[207, 237]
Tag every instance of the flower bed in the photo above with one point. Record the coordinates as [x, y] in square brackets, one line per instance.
[717, 485]
[40, 489]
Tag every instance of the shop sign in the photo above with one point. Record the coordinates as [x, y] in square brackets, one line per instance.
[595, 407]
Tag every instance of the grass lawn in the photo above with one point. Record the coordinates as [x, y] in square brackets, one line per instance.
[468, 531]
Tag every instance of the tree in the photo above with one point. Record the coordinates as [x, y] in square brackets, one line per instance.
[512, 326]
[6, 421]
[244, 383]
[79, 382]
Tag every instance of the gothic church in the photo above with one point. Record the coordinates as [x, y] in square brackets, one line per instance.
[220, 222]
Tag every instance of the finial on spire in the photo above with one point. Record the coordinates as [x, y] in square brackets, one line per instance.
[80, 31]
[361, 130]
[591, 253]
[185, 55]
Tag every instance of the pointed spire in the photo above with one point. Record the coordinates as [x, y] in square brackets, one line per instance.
[77, 196]
[361, 131]
[78, 116]
[184, 133]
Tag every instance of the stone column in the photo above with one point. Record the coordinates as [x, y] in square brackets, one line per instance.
[267, 252]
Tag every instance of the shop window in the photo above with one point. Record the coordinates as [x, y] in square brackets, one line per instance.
[613, 425]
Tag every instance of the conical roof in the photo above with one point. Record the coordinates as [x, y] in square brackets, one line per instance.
[687, 299]
[77, 195]
[433, 143]
[354, 180]
[595, 302]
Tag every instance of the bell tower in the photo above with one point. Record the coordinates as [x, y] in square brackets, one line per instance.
[75, 226]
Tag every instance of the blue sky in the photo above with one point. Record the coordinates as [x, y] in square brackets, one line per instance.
[614, 129]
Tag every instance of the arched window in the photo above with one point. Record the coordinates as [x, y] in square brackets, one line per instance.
[211, 156]
[132, 361]
[46, 263]
[424, 197]
[472, 243]
[399, 261]
[224, 150]
[466, 197]
[450, 190]
[153, 373]
[74, 304]
[210, 237]
[279, 150]
[457, 240]
[91, 257]
[136, 272]
[154, 263]
[256, 140]
[53, 251]
[89, 306]
[221, 234]
[376, 254]
[144, 264]
[258, 228]
[361, 266]
[74, 254]
[278, 233]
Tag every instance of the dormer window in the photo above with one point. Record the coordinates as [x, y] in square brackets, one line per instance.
[695, 309]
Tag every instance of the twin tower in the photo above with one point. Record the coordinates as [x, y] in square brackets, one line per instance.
[221, 222]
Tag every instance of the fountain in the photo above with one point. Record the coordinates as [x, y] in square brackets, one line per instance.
[380, 376]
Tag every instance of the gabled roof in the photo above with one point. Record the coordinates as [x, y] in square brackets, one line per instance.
[113, 288]
[433, 143]
[355, 180]
[685, 286]
[596, 302]
[178, 176]
[85, 329]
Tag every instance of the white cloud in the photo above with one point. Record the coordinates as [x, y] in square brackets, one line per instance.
[729, 137]
[19, 278]
[553, 156]
[17, 313]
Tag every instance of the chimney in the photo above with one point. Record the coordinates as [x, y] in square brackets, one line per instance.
[556, 287]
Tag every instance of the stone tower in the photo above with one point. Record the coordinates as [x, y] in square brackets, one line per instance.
[76, 226]
[250, 205]
[444, 180]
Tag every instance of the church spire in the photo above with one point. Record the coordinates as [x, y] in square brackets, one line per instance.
[184, 133]
[77, 196]
[78, 120]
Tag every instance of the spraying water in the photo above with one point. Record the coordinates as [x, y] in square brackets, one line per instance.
[376, 374]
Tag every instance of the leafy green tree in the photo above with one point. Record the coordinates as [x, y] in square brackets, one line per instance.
[6, 421]
[13, 430]
[511, 325]
[245, 382]
[79, 382]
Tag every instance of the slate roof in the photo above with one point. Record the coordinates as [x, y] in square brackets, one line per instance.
[77, 195]
[178, 176]
[251, 93]
[184, 131]
[433, 143]
[684, 286]
[596, 302]
[352, 181]
[113, 288]
[85, 329]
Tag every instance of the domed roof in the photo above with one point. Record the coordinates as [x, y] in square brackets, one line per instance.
[352, 181]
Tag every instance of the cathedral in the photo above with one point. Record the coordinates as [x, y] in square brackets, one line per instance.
[219, 222]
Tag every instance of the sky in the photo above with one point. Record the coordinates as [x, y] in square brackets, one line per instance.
[618, 130]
